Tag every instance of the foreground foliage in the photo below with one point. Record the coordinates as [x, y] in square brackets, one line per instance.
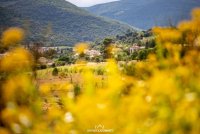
[157, 96]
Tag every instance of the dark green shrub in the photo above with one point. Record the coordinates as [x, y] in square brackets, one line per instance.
[55, 72]
[77, 90]
[100, 71]
[43, 66]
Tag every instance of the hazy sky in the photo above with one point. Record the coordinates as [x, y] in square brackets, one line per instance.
[86, 3]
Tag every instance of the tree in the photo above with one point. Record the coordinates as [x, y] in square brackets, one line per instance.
[55, 72]
[142, 54]
[107, 42]
[49, 53]
[35, 50]
[107, 48]
[134, 55]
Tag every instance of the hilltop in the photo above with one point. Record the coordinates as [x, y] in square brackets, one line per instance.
[145, 14]
[56, 22]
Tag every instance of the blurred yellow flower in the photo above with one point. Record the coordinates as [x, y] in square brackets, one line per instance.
[4, 131]
[12, 36]
[16, 59]
[196, 14]
[167, 34]
[81, 47]
[45, 88]
[17, 85]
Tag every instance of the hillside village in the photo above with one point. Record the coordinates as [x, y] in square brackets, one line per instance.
[125, 47]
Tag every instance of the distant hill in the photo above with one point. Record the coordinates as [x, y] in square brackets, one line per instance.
[145, 14]
[56, 21]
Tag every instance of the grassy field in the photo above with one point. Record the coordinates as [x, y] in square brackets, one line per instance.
[72, 74]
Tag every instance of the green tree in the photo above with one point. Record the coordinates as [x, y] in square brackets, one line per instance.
[134, 55]
[142, 55]
[55, 72]
[49, 53]
[107, 48]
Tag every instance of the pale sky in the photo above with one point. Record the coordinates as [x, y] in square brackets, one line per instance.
[86, 3]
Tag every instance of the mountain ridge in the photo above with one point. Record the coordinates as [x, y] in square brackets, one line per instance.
[68, 23]
[146, 14]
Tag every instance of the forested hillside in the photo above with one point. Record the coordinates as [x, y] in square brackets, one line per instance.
[56, 22]
[147, 13]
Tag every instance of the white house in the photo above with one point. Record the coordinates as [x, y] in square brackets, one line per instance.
[135, 48]
[92, 53]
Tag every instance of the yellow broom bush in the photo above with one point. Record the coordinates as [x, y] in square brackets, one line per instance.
[162, 96]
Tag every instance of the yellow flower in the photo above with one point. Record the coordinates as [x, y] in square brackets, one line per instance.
[17, 59]
[196, 14]
[45, 88]
[12, 36]
[16, 85]
[4, 131]
[186, 26]
[9, 115]
[167, 34]
[81, 47]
